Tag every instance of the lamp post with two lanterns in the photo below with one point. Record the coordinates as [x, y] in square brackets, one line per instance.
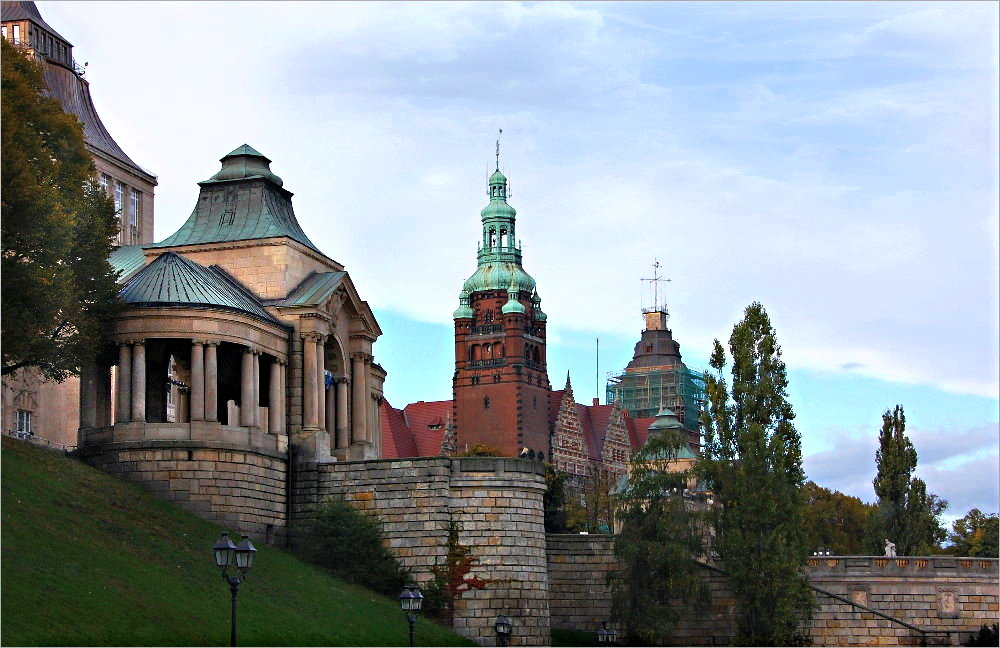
[239, 556]
[410, 600]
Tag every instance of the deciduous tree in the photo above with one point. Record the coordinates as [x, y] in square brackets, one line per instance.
[57, 231]
[659, 580]
[834, 521]
[752, 461]
[976, 535]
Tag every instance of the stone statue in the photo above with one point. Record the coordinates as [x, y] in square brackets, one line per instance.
[890, 549]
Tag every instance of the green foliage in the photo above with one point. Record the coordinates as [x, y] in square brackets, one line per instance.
[451, 579]
[481, 450]
[659, 581]
[57, 231]
[590, 504]
[352, 545]
[554, 500]
[988, 635]
[976, 535]
[907, 514]
[834, 521]
[90, 560]
[752, 461]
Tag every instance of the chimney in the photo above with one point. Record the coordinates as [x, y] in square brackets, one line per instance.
[597, 401]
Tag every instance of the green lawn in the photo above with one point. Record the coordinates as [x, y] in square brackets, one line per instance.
[90, 560]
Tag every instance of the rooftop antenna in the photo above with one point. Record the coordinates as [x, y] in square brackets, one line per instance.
[655, 280]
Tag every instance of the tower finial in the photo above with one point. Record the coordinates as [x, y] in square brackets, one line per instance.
[500, 132]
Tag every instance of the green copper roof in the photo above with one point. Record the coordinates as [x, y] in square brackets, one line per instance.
[497, 276]
[314, 289]
[464, 311]
[172, 280]
[126, 260]
[513, 305]
[666, 420]
[243, 201]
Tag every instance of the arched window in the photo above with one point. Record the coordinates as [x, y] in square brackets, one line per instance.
[536, 356]
[498, 350]
[472, 353]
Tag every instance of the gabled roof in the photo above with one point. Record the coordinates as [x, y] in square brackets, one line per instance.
[173, 280]
[314, 289]
[397, 439]
[638, 430]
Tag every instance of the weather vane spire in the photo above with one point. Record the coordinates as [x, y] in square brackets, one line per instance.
[498, 147]
[655, 280]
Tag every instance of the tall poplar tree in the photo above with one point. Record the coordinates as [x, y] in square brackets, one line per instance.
[907, 514]
[752, 461]
[57, 231]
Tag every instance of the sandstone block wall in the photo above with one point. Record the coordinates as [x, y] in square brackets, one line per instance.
[578, 568]
[497, 502]
[938, 599]
[237, 485]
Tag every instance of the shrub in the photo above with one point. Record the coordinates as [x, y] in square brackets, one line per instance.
[352, 545]
[481, 450]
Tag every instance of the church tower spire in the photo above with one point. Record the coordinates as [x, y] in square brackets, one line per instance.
[500, 384]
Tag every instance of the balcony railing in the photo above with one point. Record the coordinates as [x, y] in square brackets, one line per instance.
[491, 362]
[488, 328]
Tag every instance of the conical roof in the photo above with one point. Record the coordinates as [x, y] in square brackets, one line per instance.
[172, 280]
[243, 201]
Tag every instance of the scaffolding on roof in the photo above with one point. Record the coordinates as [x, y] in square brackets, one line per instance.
[645, 391]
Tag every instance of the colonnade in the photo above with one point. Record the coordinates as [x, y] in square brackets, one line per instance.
[203, 398]
[327, 407]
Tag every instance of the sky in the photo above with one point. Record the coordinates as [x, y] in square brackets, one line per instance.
[836, 162]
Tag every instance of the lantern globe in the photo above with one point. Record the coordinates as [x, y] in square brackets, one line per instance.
[244, 554]
[224, 550]
[502, 625]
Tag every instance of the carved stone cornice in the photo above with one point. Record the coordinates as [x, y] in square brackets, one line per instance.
[313, 336]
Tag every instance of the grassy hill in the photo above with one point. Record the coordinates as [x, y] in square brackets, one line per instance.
[90, 560]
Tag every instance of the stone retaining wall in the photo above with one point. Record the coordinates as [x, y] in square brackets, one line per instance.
[233, 483]
[947, 597]
[496, 501]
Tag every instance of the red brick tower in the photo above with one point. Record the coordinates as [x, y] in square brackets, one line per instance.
[500, 388]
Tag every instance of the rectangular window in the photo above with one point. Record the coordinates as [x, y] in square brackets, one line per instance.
[24, 422]
[119, 190]
[133, 207]
[104, 181]
[4, 30]
[17, 34]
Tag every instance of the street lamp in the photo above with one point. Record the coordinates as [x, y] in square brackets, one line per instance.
[606, 635]
[410, 600]
[502, 628]
[239, 556]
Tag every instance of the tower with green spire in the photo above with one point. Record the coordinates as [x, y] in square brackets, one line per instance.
[500, 386]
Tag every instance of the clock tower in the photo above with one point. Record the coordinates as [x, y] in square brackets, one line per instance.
[500, 387]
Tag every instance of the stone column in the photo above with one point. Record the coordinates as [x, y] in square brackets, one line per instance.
[343, 422]
[123, 411]
[256, 388]
[331, 409]
[139, 381]
[197, 381]
[274, 425]
[321, 384]
[246, 388]
[359, 405]
[211, 381]
[283, 396]
[310, 398]
[88, 395]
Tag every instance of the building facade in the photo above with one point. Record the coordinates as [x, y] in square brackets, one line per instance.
[47, 411]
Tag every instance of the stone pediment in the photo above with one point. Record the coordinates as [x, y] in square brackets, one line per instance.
[333, 294]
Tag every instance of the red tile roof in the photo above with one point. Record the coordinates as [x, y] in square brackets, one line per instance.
[427, 422]
[397, 439]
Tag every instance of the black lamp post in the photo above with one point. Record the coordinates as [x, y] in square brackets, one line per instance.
[607, 635]
[410, 600]
[239, 556]
[502, 628]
